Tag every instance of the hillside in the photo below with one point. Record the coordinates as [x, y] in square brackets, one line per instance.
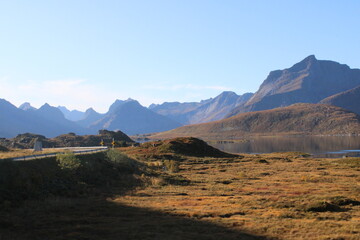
[308, 81]
[313, 119]
[349, 99]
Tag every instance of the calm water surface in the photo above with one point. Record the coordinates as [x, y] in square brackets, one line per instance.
[319, 146]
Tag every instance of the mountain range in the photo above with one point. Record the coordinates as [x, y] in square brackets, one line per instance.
[205, 111]
[309, 81]
[128, 116]
[46, 120]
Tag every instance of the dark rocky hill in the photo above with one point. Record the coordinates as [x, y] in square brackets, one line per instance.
[300, 119]
[27, 140]
[187, 146]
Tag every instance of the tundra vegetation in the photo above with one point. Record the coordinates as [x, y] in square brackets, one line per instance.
[163, 190]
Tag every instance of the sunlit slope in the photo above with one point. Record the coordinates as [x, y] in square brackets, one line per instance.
[313, 119]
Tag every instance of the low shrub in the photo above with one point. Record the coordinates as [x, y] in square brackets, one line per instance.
[171, 166]
[68, 161]
[322, 207]
[122, 160]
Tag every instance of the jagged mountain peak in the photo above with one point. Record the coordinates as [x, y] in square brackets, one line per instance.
[226, 94]
[46, 105]
[26, 106]
[89, 110]
[309, 81]
[119, 102]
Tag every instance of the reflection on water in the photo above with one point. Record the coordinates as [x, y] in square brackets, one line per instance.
[324, 146]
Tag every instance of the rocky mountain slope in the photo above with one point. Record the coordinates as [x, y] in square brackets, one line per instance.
[308, 81]
[304, 119]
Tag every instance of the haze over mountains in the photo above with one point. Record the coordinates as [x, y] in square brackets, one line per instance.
[46, 120]
[205, 111]
[309, 81]
[128, 116]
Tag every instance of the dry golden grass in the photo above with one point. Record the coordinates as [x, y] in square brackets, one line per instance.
[265, 195]
[268, 196]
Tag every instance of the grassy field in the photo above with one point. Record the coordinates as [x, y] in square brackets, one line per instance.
[279, 195]
[270, 196]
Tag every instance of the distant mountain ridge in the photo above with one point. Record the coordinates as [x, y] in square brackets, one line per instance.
[46, 120]
[132, 118]
[73, 115]
[127, 116]
[205, 111]
[90, 117]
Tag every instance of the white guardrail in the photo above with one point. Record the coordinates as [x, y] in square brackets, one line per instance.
[86, 150]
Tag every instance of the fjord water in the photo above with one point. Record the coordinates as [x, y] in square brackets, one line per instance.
[319, 146]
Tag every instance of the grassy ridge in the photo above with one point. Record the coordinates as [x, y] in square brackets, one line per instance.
[300, 119]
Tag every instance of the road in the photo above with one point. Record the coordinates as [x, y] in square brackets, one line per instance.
[75, 150]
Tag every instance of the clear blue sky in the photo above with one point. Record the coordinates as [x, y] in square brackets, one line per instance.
[83, 53]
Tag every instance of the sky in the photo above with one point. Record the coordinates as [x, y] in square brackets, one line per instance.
[88, 53]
